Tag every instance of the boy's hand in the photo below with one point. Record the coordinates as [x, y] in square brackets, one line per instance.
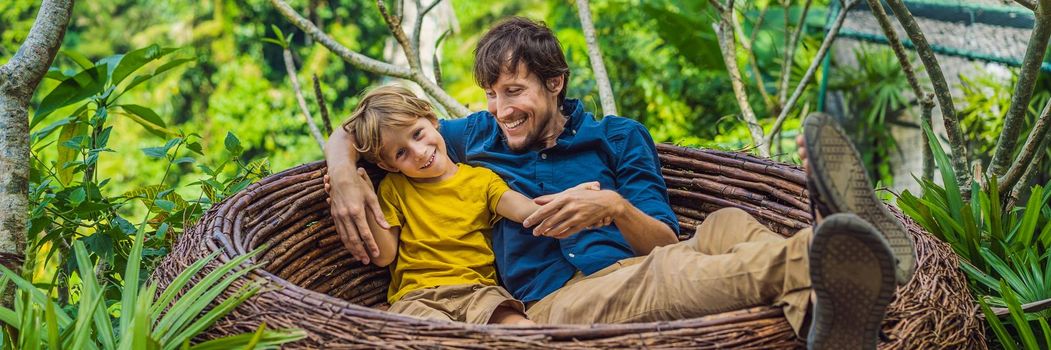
[351, 198]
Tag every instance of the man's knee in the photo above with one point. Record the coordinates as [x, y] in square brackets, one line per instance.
[728, 214]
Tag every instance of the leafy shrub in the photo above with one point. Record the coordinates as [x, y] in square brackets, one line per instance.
[1004, 251]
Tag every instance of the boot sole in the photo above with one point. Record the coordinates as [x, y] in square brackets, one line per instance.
[852, 273]
[839, 184]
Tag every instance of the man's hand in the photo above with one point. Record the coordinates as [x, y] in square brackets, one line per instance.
[351, 198]
[567, 213]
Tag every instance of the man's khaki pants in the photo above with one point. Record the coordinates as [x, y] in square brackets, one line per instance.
[732, 262]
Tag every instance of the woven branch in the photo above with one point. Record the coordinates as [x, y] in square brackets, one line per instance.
[313, 285]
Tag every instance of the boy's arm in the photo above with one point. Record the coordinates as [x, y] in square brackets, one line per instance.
[386, 240]
[517, 207]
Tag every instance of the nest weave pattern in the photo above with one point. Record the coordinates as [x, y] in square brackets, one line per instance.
[313, 285]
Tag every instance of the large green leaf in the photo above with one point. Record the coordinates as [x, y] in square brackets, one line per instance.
[148, 119]
[89, 287]
[67, 154]
[1021, 323]
[136, 59]
[139, 79]
[76, 88]
[1005, 337]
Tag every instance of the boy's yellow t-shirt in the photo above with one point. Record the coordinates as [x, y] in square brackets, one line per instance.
[446, 229]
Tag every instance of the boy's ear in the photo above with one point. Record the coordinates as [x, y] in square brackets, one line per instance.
[386, 167]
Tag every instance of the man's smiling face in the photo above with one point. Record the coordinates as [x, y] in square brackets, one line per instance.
[526, 108]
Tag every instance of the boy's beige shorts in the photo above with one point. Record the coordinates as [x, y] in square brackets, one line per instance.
[470, 303]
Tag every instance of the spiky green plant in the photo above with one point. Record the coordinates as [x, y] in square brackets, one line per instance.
[146, 321]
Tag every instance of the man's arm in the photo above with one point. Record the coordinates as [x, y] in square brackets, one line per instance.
[639, 206]
[351, 197]
[567, 213]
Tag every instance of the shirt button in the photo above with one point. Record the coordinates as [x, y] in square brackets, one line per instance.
[543, 156]
[571, 255]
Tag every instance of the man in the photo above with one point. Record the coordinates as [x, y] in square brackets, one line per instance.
[571, 266]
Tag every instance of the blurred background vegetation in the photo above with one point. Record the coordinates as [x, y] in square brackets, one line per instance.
[221, 113]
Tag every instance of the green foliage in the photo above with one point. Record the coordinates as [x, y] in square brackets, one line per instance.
[983, 104]
[72, 206]
[874, 93]
[146, 320]
[1004, 251]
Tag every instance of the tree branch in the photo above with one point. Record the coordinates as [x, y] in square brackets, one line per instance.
[821, 52]
[1030, 171]
[941, 90]
[727, 44]
[605, 91]
[1029, 150]
[418, 25]
[1027, 76]
[394, 24]
[19, 78]
[369, 64]
[1029, 4]
[926, 99]
[790, 52]
[356, 59]
[322, 107]
[753, 62]
[291, 69]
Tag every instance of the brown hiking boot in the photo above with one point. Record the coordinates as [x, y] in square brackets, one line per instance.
[838, 183]
[852, 274]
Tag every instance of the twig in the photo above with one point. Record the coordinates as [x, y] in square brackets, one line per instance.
[437, 64]
[369, 64]
[1027, 76]
[790, 51]
[1029, 4]
[394, 24]
[291, 69]
[1030, 171]
[1026, 308]
[926, 99]
[727, 44]
[1029, 150]
[747, 44]
[420, 14]
[322, 107]
[605, 91]
[821, 52]
[941, 90]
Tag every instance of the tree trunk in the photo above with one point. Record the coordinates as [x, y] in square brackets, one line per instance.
[18, 80]
[605, 90]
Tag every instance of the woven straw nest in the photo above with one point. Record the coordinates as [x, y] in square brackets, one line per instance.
[313, 285]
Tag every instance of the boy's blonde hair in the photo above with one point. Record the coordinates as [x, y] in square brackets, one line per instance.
[384, 107]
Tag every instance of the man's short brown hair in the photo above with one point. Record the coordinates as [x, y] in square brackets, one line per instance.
[384, 107]
[520, 40]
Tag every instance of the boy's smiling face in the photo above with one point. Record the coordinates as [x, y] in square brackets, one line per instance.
[416, 150]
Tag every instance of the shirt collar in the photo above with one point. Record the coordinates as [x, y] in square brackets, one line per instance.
[573, 109]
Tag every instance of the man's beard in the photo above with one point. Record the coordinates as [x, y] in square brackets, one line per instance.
[527, 144]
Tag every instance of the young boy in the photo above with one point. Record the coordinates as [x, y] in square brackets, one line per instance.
[441, 214]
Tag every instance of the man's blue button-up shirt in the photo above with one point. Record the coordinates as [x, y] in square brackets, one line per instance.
[617, 152]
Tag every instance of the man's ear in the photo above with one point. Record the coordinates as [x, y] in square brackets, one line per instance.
[555, 84]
